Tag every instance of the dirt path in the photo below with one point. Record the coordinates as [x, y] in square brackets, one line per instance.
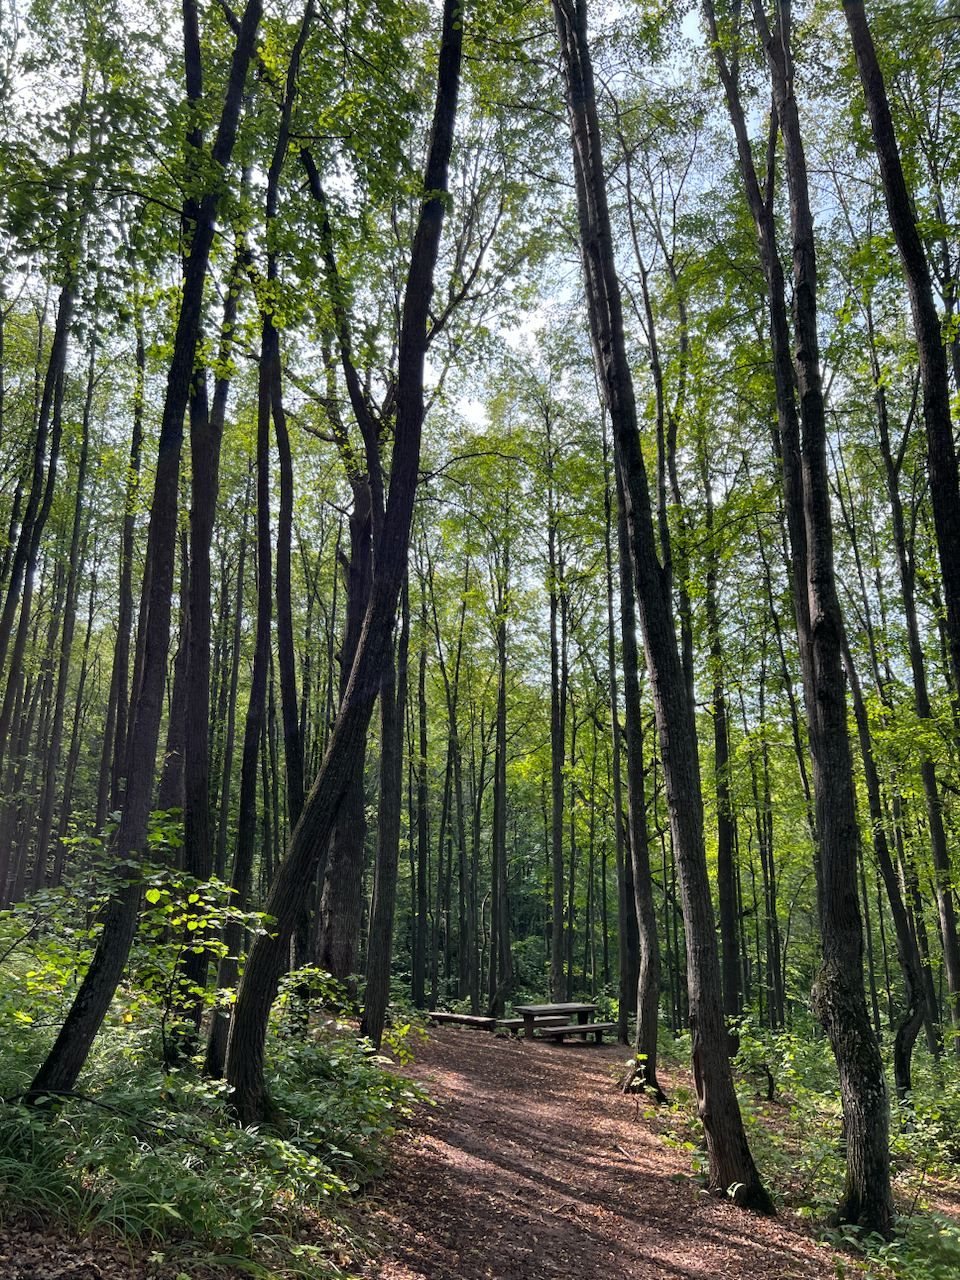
[532, 1165]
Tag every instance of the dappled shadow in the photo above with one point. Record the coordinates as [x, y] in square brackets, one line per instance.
[534, 1165]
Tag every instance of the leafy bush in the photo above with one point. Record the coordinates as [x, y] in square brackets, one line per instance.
[152, 1152]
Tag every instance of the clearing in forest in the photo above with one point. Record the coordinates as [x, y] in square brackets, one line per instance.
[533, 1165]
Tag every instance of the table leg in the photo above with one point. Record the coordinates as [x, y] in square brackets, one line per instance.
[528, 1026]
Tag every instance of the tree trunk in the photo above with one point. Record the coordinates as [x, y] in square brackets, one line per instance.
[52, 768]
[393, 699]
[732, 1170]
[308, 843]
[341, 901]
[501, 964]
[115, 732]
[627, 932]
[941, 454]
[65, 1060]
[839, 997]
[420, 928]
[253, 731]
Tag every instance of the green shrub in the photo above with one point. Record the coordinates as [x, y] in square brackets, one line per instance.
[152, 1152]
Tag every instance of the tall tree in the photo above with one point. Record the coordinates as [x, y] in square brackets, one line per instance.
[66, 1058]
[308, 843]
[731, 1163]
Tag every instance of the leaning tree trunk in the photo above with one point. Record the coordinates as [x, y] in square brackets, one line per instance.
[309, 840]
[732, 1169]
[941, 453]
[69, 1053]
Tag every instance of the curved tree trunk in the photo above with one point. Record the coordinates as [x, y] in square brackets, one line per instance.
[69, 1053]
[309, 841]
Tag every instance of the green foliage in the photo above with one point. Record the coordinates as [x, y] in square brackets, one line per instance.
[926, 1247]
[156, 1157]
[153, 1153]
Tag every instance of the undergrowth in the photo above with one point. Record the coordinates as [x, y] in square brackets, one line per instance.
[150, 1152]
[796, 1138]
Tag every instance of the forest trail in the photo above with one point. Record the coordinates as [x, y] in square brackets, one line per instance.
[533, 1165]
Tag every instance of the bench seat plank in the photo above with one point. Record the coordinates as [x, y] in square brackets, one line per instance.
[462, 1019]
[595, 1029]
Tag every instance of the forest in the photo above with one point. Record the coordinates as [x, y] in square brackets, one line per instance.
[479, 525]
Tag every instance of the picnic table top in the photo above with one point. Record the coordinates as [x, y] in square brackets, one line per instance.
[550, 1009]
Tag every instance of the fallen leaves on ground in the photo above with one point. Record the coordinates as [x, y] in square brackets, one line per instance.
[533, 1165]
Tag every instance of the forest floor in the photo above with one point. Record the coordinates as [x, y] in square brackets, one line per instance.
[532, 1164]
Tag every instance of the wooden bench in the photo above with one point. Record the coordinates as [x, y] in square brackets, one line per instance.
[510, 1024]
[595, 1029]
[463, 1019]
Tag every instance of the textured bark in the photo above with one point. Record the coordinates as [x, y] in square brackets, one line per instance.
[393, 700]
[838, 997]
[627, 932]
[342, 900]
[648, 973]
[69, 1052]
[941, 453]
[732, 1169]
[309, 840]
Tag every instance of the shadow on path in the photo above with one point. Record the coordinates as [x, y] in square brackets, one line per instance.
[532, 1165]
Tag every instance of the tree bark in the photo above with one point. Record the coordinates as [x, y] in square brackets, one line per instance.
[309, 840]
[732, 1170]
[941, 453]
[115, 732]
[839, 998]
[69, 1053]
[253, 731]
[393, 699]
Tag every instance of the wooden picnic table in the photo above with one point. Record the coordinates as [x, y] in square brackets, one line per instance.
[534, 1013]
